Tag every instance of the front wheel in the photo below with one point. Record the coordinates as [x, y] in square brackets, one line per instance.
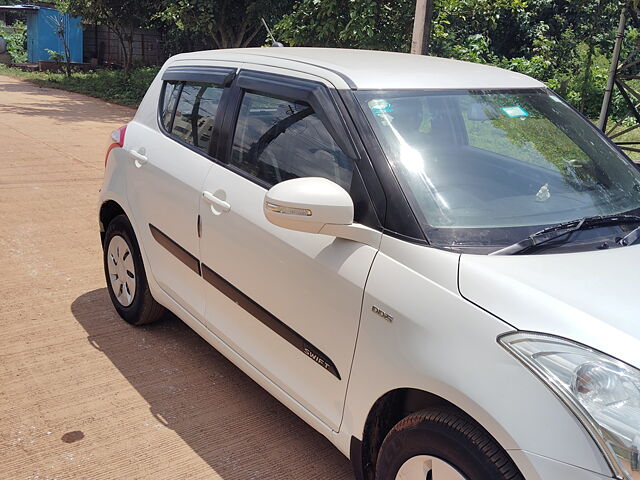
[125, 275]
[442, 444]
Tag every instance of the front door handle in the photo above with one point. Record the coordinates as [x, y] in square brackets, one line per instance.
[139, 156]
[213, 200]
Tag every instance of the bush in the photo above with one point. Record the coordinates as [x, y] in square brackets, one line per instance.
[109, 85]
[54, 56]
[17, 42]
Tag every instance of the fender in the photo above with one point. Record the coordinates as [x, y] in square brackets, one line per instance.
[440, 343]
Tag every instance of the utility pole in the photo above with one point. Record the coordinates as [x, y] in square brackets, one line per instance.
[422, 27]
[623, 77]
[604, 112]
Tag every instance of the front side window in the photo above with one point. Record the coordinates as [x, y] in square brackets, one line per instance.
[486, 167]
[277, 139]
[195, 112]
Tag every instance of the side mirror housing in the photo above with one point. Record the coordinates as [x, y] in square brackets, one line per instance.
[308, 204]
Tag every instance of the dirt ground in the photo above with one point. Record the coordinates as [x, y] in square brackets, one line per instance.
[82, 394]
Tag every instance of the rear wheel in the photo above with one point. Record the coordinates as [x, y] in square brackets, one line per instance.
[443, 444]
[125, 275]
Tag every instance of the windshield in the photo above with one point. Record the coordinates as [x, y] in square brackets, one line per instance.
[486, 167]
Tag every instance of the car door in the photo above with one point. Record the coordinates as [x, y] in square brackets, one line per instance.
[288, 302]
[171, 160]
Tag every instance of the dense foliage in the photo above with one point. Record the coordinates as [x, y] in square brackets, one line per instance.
[223, 23]
[16, 37]
[565, 43]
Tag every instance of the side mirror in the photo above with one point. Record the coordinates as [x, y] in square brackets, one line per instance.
[308, 204]
[316, 205]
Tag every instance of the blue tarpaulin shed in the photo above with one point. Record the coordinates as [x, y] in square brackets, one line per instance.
[41, 32]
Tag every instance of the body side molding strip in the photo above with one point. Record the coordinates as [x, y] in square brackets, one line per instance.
[245, 302]
[269, 320]
[176, 250]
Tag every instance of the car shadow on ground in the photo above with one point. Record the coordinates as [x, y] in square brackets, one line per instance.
[225, 417]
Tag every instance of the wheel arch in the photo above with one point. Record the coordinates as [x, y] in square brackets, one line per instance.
[109, 210]
[386, 411]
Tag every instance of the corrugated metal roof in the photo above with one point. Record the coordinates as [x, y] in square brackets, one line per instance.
[19, 7]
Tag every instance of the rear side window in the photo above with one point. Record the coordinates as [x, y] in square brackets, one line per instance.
[277, 140]
[195, 106]
[171, 93]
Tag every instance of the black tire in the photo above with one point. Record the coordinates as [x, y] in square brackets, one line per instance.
[450, 435]
[143, 308]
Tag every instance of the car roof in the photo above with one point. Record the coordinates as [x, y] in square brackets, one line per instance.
[372, 70]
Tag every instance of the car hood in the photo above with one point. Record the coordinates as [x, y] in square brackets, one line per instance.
[589, 297]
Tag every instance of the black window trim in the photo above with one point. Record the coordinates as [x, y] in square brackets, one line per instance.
[179, 87]
[220, 77]
[397, 217]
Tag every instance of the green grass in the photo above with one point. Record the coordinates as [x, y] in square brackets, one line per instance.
[110, 85]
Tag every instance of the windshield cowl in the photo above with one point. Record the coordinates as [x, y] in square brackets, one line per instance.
[563, 233]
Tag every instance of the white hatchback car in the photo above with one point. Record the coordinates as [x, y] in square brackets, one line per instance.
[428, 261]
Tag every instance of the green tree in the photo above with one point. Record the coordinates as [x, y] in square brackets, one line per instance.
[565, 43]
[122, 17]
[388, 24]
[371, 24]
[222, 23]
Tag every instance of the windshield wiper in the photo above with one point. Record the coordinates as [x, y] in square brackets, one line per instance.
[630, 238]
[565, 228]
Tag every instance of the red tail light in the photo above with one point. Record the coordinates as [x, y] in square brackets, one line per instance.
[117, 140]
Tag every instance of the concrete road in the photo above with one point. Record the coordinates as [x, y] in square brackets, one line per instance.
[82, 394]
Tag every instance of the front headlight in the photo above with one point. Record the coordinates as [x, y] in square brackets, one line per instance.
[603, 392]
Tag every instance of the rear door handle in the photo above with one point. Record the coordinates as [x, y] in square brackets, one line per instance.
[213, 200]
[139, 157]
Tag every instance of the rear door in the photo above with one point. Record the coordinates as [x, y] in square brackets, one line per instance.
[171, 161]
[288, 302]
